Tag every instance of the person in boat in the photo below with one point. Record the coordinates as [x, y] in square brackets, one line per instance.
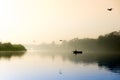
[76, 51]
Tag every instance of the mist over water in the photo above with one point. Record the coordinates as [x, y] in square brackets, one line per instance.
[105, 50]
[58, 64]
[107, 59]
[100, 60]
[32, 22]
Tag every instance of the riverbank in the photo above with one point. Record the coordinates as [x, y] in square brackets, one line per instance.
[11, 47]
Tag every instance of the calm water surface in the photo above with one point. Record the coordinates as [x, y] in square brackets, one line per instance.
[57, 65]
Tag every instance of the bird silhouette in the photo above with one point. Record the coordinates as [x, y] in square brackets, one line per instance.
[109, 9]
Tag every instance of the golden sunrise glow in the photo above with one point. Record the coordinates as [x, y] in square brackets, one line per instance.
[50, 20]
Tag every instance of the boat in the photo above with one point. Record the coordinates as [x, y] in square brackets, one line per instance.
[77, 52]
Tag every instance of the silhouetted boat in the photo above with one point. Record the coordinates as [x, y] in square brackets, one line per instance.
[77, 52]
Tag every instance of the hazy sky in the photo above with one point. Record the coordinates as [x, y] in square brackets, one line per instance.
[29, 21]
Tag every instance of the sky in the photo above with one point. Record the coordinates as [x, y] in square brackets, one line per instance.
[37, 21]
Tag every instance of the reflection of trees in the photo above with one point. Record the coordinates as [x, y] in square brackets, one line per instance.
[109, 60]
[105, 50]
[9, 54]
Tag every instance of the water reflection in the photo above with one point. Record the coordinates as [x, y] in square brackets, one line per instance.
[110, 61]
[58, 65]
[9, 54]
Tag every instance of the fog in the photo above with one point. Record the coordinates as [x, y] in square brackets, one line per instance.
[105, 50]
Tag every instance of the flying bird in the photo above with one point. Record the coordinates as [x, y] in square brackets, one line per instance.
[109, 9]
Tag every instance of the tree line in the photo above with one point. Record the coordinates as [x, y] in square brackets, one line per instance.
[11, 47]
[108, 42]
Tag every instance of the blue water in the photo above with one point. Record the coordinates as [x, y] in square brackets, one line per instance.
[50, 65]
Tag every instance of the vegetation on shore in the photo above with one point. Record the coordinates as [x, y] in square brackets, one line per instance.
[107, 42]
[104, 50]
[11, 47]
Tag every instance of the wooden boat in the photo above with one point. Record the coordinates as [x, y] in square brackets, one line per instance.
[77, 52]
